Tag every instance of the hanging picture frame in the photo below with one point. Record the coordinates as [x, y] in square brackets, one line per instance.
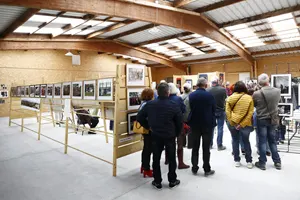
[283, 82]
[189, 81]
[31, 91]
[135, 75]
[89, 91]
[18, 91]
[133, 98]
[285, 109]
[43, 90]
[13, 91]
[105, 89]
[22, 91]
[26, 91]
[37, 90]
[66, 90]
[77, 90]
[57, 90]
[131, 118]
[49, 93]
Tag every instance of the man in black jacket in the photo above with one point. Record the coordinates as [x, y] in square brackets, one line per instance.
[164, 118]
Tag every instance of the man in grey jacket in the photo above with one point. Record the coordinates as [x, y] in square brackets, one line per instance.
[266, 102]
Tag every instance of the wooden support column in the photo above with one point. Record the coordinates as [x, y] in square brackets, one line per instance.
[40, 120]
[66, 135]
[104, 120]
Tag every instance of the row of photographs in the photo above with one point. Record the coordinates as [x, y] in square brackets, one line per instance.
[74, 90]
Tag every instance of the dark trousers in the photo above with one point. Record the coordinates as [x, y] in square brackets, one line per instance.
[158, 144]
[94, 122]
[147, 150]
[206, 141]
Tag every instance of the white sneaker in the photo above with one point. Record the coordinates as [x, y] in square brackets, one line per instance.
[238, 164]
[249, 165]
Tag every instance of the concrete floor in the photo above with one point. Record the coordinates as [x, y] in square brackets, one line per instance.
[39, 170]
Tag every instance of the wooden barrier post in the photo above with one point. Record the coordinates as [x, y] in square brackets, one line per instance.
[104, 120]
[66, 135]
[40, 120]
[51, 110]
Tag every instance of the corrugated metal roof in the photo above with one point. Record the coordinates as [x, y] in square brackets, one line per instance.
[248, 8]
[276, 54]
[8, 14]
[275, 46]
[125, 28]
[209, 55]
[145, 35]
[74, 14]
[200, 3]
[50, 12]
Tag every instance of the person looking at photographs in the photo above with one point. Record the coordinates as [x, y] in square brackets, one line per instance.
[266, 102]
[239, 111]
[164, 118]
[180, 139]
[187, 90]
[146, 96]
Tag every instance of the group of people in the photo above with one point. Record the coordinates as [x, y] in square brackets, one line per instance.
[169, 117]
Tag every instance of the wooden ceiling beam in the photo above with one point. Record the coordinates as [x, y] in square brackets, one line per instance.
[210, 59]
[217, 5]
[261, 16]
[131, 32]
[181, 3]
[98, 46]
[136, 11]
[109, 28]
[164, 38]
[19, 21]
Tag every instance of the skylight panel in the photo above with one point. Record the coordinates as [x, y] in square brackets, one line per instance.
[290, 39]
[280, 17]
[242, 33]
[178, 56]
[66, 20]
[72, 31]
[254, 44]
[105, 24]
[85, 32]
[151, 45]
[25, 29]
[92, 22]
[236, 27]
[284, 25]
[41, 18]
[171, 53]
[50, 31]
[207, 40]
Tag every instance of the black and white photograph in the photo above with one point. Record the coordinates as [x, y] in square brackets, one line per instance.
[89, 90]
[134, 98]
[4, 94]
[66, 90]
[49, 91]
[13, 91]
[135, 75]
[77, 90]
[22, 91]
[105, 89]
[203, 76]
[131, 119]
[57, 90]
[26, 91]
[43, 91]
[37, 90]
[31, 91]
[190, 81]
[18, 91]
[285, 109]
[31, 103]
[282, 82]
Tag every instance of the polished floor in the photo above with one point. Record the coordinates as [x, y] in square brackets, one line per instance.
[39, 170]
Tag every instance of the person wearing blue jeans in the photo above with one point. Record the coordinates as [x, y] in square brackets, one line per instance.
[266, 102]
[220, 116]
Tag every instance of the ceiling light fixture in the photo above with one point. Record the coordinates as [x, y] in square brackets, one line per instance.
[69, 54]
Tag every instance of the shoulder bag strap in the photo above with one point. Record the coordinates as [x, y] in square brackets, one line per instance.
[236, 102]
[265, 100]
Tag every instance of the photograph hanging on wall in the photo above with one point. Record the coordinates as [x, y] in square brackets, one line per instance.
[189, 81]
[31, 91]
[22, 91]
[13, 91]
[282, 82]
[43, 90]
[133, 98]
[18, 91]
[26, 91]
[221, 78]
[105, 89]
[4, 94]
[178, 81]
[135, 75]
[89, 90]
[203, 76]
[31, 103]
[66, 90]
[285, 109]
[57, 90]
[49, 92]
[131, 117]
[77, 90]
[37, 90]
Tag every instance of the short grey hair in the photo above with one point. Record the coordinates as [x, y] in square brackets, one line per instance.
[263, 79]
[201, 82]
[173, 88]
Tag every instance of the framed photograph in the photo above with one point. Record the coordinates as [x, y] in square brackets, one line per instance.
[18, 91]
[43, 90]
[135, 75]
[131, 117]
[282, 82]
[37, 90]
[57, 90]
[26, 91]
[178, 81]
[89, 91]
[66, 90]
[49, 92]
[22, 91]
[77, 90]
[31, 91]
[203, 76]
[105, 89]
[190, 81]
[221, 78]
[4, 94]
[13, 91]
[133, 98]
[285, 109]
[31, 103]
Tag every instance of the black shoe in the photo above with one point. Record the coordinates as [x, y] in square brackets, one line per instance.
[194, 171]
[277, 166]
[174, 184]
[211, 172]
[268, 153]
[90, 132]
[157, 186]
[281, 141]
[243, 152]
[260, 166]
[221, 148]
